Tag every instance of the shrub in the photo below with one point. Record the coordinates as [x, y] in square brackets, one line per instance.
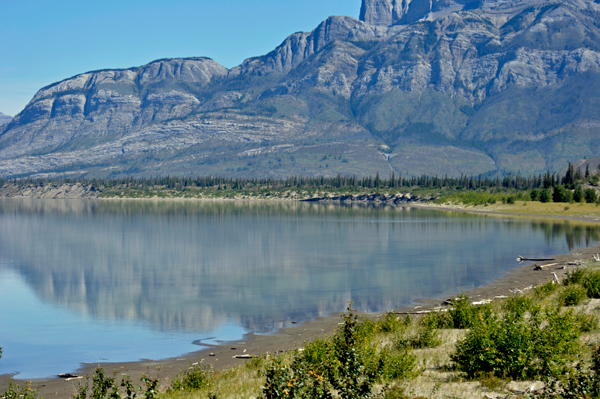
[466, 315]
[538, 344]
[194, 378]
[440, 320]
[545, 195]
[578, 195]
[590, 280]
[426, 336]
[519, 305]
[561, 194]
[590, 196]
[347, 363]
[587, 322]
[14, 391]
[399, 364]
[546, 289]
[391, 323]
[579, 382]
[591, 283]
[103, 386]
[572, 295]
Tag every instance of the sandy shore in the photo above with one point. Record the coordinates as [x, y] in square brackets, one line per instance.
[223, 356]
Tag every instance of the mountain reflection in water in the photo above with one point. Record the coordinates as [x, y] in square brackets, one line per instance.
[189, 266]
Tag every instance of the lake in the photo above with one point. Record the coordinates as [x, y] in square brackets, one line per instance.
[94, 281]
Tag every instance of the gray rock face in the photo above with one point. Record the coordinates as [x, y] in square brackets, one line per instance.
[449, 86]
[4, 119]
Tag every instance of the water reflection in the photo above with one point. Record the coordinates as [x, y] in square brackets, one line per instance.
[191, 266]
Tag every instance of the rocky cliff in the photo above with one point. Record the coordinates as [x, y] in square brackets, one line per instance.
[436, 87]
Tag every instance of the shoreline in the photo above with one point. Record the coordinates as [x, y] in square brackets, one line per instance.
[285, 339]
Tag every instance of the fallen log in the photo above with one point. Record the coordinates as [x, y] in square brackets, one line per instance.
[524, 259]
[541, 267]
[68, 375]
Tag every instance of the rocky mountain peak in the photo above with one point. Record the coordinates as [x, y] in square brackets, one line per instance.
[404, 12]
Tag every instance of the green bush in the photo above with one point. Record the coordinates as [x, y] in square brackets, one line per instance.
[590, 196]
[391, 323]
[107, 387]
[440, 320]
[426, 336]
[397, 364]
[578, 195]
[561, 194]
[579, 382]
[589, 279]
[591, 283]
[194, 378]
[519, 305]
[466, 315]
[545, 290]
[536, 344]
[587, 322]
[572, 295]
[14, 391]
[348, 364]
[545, 195]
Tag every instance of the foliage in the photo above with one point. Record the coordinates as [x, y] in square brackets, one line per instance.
[579, 382]
[561, 194]
[104, 387]
[441, 320]
[589, 279]
[195, 377]
[426, 336]
[523, 342]
[466, 315]
[391, 323]
[578, 195]
[16, 392]
[572, 295]
[348, 363]
[545, 290]
[545, 195]
[590, 195]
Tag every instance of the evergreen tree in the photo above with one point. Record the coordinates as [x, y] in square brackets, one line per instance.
[578, 195]
[591, 196]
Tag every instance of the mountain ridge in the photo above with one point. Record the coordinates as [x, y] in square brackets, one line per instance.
[505, 87]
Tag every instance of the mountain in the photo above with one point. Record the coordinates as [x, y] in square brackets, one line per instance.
[4, 119]
[436, 87]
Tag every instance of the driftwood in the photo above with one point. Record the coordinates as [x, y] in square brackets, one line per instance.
[523, 259]
[243, 357]
[68, 375]
[556, 278]
[541, 267]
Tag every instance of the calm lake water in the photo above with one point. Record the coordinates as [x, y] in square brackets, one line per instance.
[92, 281]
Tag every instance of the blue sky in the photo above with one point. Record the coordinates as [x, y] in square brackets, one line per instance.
[45, 41]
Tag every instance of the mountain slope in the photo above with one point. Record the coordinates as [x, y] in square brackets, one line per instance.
[441, 87]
